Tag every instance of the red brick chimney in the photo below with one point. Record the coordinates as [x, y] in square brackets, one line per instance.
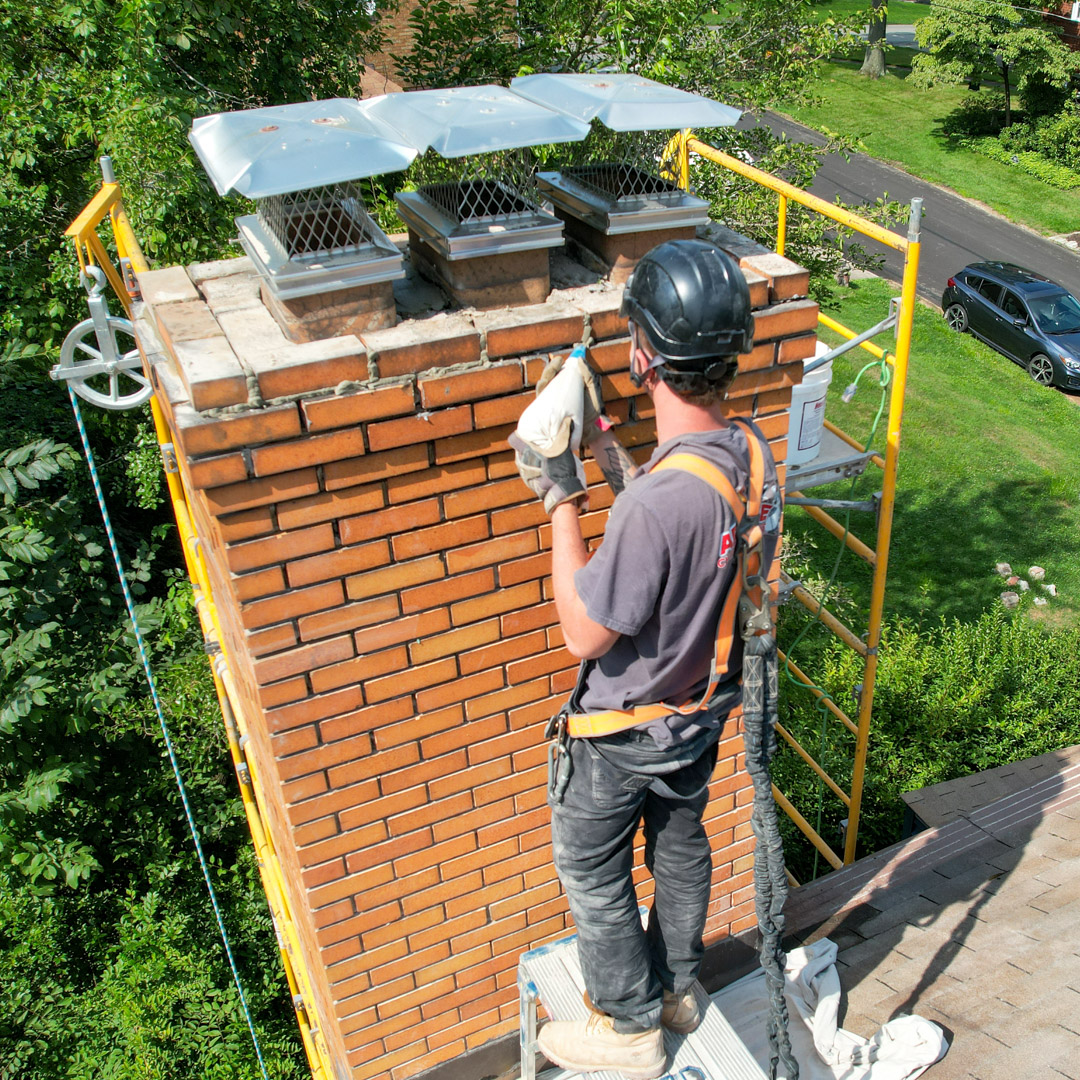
[382, 577]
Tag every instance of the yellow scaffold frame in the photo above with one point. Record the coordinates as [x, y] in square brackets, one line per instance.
[91, 252]
[678, 153]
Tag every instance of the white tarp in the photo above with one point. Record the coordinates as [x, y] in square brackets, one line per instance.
[903, 1049]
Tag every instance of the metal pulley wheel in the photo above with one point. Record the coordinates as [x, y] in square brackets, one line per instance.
[99, 359]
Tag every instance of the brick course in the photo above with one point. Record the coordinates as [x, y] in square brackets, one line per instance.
[383, 580]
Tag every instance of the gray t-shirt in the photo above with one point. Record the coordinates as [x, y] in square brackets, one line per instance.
[660, 578]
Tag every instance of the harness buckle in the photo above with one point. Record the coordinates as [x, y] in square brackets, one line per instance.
[754, 617]
[558, 756]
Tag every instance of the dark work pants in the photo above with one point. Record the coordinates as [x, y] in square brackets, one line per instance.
[616, 782]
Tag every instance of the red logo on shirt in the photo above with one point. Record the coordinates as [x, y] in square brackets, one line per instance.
[727, 548]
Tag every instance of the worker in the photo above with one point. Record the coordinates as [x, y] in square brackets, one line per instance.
[642, 615]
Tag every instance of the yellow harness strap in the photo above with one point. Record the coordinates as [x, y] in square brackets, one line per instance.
[593, 725]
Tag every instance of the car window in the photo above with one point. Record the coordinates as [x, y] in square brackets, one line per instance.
[1057, 314]
[991, 290]
[1010, 304]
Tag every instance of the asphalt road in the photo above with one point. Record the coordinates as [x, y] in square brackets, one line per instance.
[955, 231]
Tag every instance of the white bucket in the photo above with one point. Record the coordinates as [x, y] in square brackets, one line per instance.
[808, 412]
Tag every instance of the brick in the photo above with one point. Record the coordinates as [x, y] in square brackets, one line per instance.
[310, 366]
[374, 765]
[357, 408]
[397, 519]
[475, 500]
[532, 329]
[437, 854]
[773, 401]
[416, 678]
[470, 558]
[358, 669]
[291, 742]
[439, 537]
[403, 929]
[463, 737]
[349, 617]
[247, 524]
[450, 644]
[505, 699]
[260, 583]
[372, 468]
[755, 382]
[472, 445]
[216, 471]
[327, 506]
[296, 602]
[793, 349]
[262, 492]
[424, 427]
[423, 772]
[500, 411]
[430, 814]
[347, 560]
[312, 450]
[417, 727]
[441, 341]
[494, 771]
[529, 515]
[278, 548]
[524, 620]
[509, 783]
[281, 693]
[500, 466]
[316, 759]
[761, 356]
[374, 813]
[480, 683]
[535, 666]
[482, 750]
[530, 569]
[395, 579]
[469, 386]
[362, 719]
[305, 658]
[271, 640]
[444, 592]
[435, 481]
[409, 628]
[610, 356]
[312, 710]
[484, 607]
[774, 427]
[785, 320]
[494, 655]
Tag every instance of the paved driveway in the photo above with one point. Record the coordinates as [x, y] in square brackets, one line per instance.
[955, 231]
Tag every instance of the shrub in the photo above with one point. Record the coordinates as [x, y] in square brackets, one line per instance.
[949, 701]
[1030, 161]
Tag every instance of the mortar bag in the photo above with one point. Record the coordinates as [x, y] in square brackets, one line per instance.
[555, 419]
[596, 420]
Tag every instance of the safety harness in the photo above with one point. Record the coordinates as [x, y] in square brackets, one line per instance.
[745, 601]
[747, 607]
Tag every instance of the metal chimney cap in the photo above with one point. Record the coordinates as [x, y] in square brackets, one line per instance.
[624, 102]
[271, 151]
[471, 120]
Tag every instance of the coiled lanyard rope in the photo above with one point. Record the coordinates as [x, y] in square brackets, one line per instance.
[164, 726]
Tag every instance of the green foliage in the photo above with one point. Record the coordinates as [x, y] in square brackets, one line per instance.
[1054, 137]
[1049, 172]
[975, 40]
[950, 699]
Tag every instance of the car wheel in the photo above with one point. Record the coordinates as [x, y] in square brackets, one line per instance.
[956, 317]
[1041, 370]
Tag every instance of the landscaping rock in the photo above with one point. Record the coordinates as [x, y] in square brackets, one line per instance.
[1004, 569]
[1041, 601]
[1023, 585]
[1013, 581]
[1036, 573]
[1050, 589]
[1010, 599]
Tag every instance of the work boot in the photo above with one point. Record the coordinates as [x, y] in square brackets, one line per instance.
[681, 1013]
[594, 1045]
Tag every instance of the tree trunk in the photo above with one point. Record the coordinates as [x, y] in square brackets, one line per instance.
[873, 65]
[1008, 95]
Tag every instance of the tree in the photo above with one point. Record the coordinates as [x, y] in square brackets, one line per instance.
[972, 40]
[873, 65]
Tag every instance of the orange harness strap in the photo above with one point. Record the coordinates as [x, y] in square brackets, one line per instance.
[748, 526]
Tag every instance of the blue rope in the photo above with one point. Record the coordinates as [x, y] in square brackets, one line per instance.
[165, 727]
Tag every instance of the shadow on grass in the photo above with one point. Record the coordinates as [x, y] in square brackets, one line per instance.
[946, 542]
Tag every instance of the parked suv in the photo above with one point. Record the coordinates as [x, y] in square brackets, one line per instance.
[1021, 314]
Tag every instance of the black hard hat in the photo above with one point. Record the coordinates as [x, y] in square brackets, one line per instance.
[692, 301]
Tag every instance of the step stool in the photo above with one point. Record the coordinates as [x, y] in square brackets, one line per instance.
[552, 975]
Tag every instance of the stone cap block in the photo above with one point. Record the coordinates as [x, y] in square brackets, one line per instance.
[786, 279]
[168, 286]
[186, 320]
[601, 304]
[443, 340]
[252, 331]
[230, 291]
[732, 242]
[785, 320]
[211, 373]
[207, 271]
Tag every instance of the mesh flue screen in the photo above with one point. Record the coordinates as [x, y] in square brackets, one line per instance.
[618, 180]
[320, 221]
[475, 200]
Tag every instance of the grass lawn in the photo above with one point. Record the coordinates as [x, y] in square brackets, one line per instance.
[901, 12]
[898, 123]
[989, 472]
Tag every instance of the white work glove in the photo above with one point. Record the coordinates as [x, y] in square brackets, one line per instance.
[548, 436]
